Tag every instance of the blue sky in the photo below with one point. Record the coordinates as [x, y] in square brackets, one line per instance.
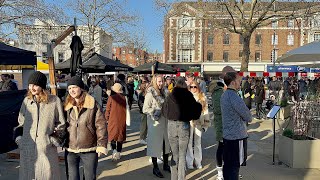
[150, 20]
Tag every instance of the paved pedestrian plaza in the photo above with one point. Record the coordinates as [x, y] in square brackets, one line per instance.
[134, 164]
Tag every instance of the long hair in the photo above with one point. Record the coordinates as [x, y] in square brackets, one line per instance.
[72, 100]
[43, 96]
[201, 95]
[154, 84]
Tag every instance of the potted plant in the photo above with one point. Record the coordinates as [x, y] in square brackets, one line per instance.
[297, 148]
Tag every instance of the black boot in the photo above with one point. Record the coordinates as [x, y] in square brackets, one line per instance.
[166, 166]
[157, 172]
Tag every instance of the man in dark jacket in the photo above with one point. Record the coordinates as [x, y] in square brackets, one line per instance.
[259, 93]
[247, 92]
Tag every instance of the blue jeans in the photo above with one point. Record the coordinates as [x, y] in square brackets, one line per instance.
[90, 163]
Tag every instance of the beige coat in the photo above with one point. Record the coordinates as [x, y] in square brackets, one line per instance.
[157, 130]
[38, 156]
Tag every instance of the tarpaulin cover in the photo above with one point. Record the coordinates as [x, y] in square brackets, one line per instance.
[14, 56]
[9, 110]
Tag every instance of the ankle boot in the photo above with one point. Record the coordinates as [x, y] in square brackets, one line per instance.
[166, 167]
[157, 172]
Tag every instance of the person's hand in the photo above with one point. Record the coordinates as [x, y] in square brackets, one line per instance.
[17, 140]
[101, 151]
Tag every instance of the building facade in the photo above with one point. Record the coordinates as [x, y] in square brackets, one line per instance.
[192, 40]
[38, 36]
[130, 56]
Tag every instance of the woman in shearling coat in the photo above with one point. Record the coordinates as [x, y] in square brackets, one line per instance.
[41, 127]
[87, 138]
[157, 141]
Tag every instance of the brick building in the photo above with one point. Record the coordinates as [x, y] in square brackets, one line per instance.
[192, 41]
[130, 55]
[156, 57]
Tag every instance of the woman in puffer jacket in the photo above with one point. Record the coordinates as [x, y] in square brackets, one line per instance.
[198, 126]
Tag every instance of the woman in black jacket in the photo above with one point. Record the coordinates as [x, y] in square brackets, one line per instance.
[180, 108]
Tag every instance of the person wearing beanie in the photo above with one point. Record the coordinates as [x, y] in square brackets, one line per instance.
[116, 118]
[84, 115]
[41, 129]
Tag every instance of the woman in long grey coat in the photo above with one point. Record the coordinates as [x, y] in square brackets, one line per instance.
[41, 127]
[157, 125]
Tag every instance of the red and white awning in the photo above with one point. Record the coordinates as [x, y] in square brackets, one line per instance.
[278, 74]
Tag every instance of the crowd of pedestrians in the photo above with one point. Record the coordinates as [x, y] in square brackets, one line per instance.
[174, 115]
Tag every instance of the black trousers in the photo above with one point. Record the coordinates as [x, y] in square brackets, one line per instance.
[116, 145]
[259, 110]
[234, 155]
[219, 154]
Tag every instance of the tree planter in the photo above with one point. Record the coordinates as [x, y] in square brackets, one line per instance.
[299, 153]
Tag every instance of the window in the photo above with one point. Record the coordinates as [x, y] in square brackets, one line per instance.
[240, 39]
[44, 39]
[44, 57]
[114, 50]
[130, 51]
[61, 56]
[225, 56]
[123, 58]
[274, 24]
[185, 38]
[290, 40]
[290, 23]
[226, 39]
[316, 37]
[28, 39]
[185, 22]
[240, 54]
[258, 39]
[185, 55]
[274, 39]
[210, 39]
[257, 56]
[209, 56]
[123, 52]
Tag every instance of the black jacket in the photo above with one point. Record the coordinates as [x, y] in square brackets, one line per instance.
[180, 105]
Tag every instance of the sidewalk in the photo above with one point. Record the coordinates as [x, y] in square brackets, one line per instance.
[135, 165]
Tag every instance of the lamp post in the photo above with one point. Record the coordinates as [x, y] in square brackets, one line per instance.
[274, 39]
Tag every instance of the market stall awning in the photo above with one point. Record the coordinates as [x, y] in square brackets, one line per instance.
[96, 63]
[308, 53]
[159, 68]
[10, 55]
[41, 66]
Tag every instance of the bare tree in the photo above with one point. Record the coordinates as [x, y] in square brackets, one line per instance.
[244, 17]
[14, 12]
[109, 15]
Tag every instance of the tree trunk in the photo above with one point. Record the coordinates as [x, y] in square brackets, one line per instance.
[245, 52]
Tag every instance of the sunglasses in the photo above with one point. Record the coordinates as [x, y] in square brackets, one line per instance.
[193, 87]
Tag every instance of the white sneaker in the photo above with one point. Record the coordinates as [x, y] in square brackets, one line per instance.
[142, 141]
[114, 155]
[220, 173]
[199, 167]
[159, 161]
[219, 178]
[190, 166]
[117, 156]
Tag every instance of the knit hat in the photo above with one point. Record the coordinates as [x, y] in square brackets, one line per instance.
[117, 87]
[76, 80]
[39, 79]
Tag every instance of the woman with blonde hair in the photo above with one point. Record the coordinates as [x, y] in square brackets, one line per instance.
[198, 126]
[41, 129]
[87, 138]
[157, 141]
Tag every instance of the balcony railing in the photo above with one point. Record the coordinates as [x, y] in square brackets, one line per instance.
[185, 46]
